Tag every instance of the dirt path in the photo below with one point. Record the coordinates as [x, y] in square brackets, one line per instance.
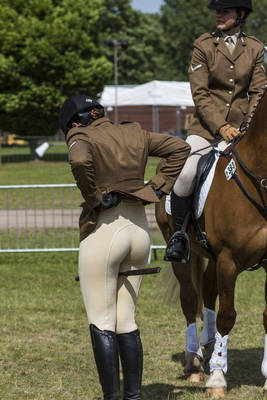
[50, 218]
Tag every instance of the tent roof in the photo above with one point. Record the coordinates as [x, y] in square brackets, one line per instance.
[154, 93]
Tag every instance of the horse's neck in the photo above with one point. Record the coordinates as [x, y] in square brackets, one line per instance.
[253, 147]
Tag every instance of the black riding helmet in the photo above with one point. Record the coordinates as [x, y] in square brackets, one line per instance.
[238, 4]
[77, 107]
[215, 4]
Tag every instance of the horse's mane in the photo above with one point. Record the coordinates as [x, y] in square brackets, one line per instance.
[245, 125]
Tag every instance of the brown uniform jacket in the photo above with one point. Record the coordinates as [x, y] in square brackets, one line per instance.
[105, 157]
[224, 87]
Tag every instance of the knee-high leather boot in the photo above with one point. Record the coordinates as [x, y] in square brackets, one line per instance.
[107, 361]
[131, 355]
[176, 250]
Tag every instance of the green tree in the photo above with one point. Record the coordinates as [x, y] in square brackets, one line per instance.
[143, 60]
[183, 21]
[49, 49]
[256, 24]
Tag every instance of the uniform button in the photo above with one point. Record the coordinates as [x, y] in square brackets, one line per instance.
[227, 105]
[230, 92]
[231, 80]
[231, 67]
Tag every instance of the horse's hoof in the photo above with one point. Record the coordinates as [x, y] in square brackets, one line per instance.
[193, 369]
[196, 377]
[216, 392]
[216, 385]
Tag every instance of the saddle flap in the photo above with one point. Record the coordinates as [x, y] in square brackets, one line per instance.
[204, 168]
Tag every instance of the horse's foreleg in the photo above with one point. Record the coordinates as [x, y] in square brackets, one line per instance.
[189, 304]
[188, 293]
[227, 274]
[210, 293]
[264, 361]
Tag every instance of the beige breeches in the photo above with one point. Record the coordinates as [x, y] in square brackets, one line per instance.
[184, 185]
[120, 242]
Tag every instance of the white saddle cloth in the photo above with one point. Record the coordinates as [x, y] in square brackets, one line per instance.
[206, 185]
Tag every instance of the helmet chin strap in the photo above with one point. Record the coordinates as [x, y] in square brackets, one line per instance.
[238, 21]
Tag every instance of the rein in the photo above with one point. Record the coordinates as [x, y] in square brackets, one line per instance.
[260, 181]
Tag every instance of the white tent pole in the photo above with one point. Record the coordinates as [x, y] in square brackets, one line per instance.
[115, 47]
[178, 119]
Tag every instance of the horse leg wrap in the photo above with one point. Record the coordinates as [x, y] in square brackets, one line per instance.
[219, 356]
[264, 361]
[209, 327]
[192, 343]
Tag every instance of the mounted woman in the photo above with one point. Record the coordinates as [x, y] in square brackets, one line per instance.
[226, 76]
[227, 81]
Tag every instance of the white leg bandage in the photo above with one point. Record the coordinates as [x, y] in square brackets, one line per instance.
[192, 343]
[219, 356]
[264, 361]
[209, 326]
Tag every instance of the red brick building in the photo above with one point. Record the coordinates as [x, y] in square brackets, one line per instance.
[158, 106]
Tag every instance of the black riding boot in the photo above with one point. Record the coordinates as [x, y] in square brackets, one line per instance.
[178, 245]
[107, 361]
[131, 355]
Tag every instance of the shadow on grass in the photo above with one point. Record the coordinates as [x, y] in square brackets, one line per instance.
[244, 367]
[161, 391]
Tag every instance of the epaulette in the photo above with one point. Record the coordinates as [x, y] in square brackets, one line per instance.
[205, 36]
[253, 38]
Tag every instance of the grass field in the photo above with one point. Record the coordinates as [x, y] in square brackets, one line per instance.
[44, 339]
[42, 172]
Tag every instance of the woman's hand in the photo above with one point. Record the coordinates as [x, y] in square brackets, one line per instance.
[229, 133]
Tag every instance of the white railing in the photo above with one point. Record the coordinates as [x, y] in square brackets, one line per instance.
[44, 218]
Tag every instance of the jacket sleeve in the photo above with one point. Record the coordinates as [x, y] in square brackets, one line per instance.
[173, 152]
[199, 81]
[82, 167]
[258, 80]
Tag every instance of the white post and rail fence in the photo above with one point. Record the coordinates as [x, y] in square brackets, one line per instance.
[44, 218]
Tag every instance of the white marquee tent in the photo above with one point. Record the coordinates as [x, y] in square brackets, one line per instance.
[154, 93]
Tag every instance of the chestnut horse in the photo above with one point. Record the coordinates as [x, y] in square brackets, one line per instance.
[234, 219]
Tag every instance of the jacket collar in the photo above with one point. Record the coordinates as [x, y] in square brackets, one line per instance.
[99, 121]
[74, 131]
[221, 46]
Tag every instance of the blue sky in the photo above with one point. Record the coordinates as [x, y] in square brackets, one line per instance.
[147, 6]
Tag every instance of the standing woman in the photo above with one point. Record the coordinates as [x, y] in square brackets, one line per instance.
[226, 76]
[108, 163]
